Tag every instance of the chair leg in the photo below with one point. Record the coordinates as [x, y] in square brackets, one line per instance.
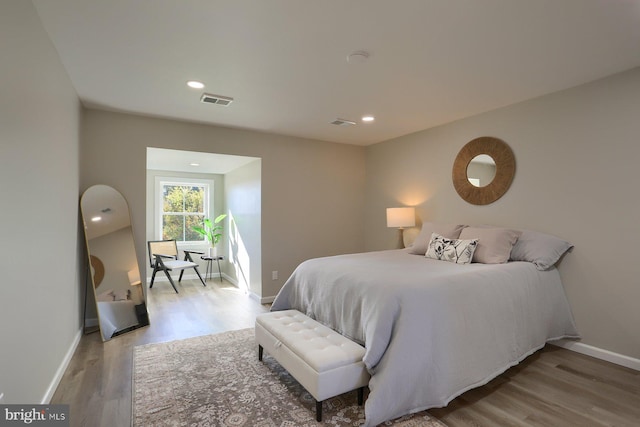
[153, 277]
[201, 279]
[187, 257]
[171, 280]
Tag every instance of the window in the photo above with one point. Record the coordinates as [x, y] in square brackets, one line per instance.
[182, 205]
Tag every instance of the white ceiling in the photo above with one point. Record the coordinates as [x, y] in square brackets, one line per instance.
[284, 61]
[183, 161]
[109, 205]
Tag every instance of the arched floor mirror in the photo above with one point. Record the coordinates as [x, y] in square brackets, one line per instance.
[114, 271]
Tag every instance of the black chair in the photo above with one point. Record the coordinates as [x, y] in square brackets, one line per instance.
[163, 255]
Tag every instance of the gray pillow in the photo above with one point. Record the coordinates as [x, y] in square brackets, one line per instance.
[494, 244]
[541, 249]
[421, 243]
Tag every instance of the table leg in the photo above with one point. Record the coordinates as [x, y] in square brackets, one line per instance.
[219, 271]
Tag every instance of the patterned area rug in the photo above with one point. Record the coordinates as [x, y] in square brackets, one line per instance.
[217, 380]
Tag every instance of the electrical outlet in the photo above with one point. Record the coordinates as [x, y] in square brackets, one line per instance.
[274, 275]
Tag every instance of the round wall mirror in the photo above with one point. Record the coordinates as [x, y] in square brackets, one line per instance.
[483, 170]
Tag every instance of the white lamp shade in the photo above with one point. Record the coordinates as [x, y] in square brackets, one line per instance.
[134, 277]
[401, 217]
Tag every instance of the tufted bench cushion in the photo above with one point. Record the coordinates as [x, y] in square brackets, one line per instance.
[323, 361]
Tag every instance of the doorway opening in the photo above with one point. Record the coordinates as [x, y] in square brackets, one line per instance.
[184, 187]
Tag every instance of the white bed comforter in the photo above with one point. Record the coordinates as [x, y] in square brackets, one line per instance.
[432, 329]
[115, 316]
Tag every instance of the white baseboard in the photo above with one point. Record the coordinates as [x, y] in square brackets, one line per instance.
[267, 300]
[231, 280]
[61, 369]
[599, 353]
[262, 300]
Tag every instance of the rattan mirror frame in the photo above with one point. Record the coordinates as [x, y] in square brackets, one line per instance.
[505, 170]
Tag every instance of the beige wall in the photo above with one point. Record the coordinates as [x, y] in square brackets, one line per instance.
[312, 191]
[576, 177]
[41, 296]
[243, 189]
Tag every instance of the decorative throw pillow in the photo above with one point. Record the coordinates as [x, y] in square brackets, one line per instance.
[421, 243]
[452, 250]
[494, 245]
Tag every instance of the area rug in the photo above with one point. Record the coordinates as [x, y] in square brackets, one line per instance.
[217, 380]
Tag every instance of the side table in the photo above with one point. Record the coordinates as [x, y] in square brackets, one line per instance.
[217, 258]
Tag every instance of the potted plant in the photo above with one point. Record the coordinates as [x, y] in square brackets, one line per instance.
[212, 231]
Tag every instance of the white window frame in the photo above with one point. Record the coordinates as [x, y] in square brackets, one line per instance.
[160, 182]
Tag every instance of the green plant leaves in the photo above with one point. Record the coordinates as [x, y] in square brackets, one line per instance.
[210, 231]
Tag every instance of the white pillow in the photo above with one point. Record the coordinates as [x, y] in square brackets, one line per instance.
[451, 250]
[106, 296]
[121, 295]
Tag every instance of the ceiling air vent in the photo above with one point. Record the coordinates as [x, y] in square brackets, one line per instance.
[207, 98]
[342, 122]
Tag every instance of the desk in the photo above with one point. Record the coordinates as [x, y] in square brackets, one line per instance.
[209, 266]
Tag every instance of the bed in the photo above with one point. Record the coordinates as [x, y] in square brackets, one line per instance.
[116, 316]
[432, 329]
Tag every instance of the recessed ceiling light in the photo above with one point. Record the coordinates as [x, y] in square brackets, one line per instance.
[194, 164]
[368, 118]
[195, 84]
[96, 218]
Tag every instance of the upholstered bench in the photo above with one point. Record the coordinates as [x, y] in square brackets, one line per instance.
[324, 362]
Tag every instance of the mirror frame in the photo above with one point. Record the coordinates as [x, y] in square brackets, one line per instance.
[505, 170]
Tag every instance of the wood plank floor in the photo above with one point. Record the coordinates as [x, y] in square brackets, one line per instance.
[554, 387]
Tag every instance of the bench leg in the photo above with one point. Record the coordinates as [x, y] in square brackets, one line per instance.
[318, 411]
[260, 351]
[360, 396]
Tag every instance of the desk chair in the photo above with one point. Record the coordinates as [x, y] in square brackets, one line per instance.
[163, 255]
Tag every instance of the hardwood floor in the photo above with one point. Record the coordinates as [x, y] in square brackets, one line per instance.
[97, 383]
[554, 387]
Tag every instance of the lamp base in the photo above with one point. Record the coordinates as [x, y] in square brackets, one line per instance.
[400, 242]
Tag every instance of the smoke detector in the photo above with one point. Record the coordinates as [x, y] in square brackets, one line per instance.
[358, 57]
[207, 98]
[342, 122]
